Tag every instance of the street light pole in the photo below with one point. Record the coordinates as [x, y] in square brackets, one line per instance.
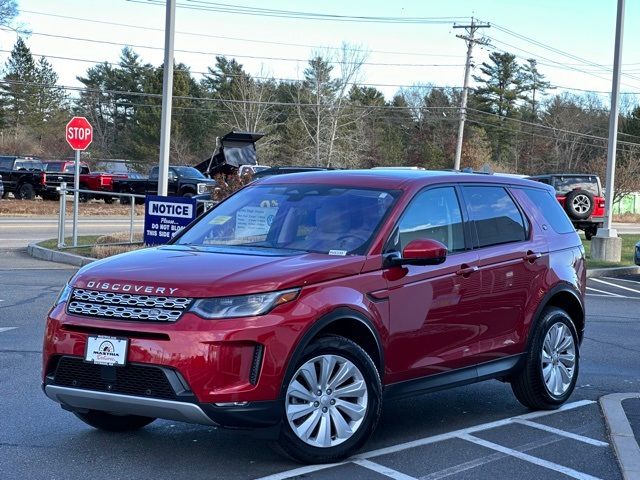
[167, 94]
[608, 245]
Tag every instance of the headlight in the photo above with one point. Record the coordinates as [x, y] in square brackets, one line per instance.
[242, 306]
[64, 295]
[202, 188]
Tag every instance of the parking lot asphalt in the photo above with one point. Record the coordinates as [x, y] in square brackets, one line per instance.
[478, 431]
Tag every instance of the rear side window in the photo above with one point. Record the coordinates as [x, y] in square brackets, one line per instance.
[550, 209]
[433, 214]
[496, 217]
[6, 163]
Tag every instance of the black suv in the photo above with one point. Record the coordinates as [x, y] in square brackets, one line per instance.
[581, 197]
[23, 176]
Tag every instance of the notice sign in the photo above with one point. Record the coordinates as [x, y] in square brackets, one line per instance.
[166, 216]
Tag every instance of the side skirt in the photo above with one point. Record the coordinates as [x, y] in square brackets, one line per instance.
[463, 376]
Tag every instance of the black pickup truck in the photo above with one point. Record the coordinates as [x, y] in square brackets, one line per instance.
[184, 181]
[23, 176]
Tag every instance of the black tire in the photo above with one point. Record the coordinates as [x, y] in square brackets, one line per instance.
[113, 423]
[125, 200]
[579, 204]
[25, 192]
[188, 194]
[108, 200]
[528, 385]
[84, 197]
[590, 232]
[296, 448]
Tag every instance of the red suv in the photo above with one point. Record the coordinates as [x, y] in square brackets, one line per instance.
[581, 197]
[302, 301]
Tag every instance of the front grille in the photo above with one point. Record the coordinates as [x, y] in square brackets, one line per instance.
[139, 380]
[126, 306]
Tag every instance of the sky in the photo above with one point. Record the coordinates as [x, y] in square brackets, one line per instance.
[398, 54]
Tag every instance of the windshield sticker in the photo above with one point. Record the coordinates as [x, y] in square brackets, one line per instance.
[340, 253]
[220, 220]
[254, 221]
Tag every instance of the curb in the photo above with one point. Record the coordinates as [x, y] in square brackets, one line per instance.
[613, 271]
[42, 253]
[624, 442]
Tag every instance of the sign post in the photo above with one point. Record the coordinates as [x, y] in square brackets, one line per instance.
[79, 134]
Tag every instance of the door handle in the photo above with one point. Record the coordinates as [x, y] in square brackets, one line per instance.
[532, 256]
[466, 270]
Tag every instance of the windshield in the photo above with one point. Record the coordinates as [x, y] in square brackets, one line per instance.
[312, 218]
[564, 185]
[28, 165]
[188, 172]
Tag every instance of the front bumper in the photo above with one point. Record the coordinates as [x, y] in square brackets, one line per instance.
[249, 415]
[223, 372]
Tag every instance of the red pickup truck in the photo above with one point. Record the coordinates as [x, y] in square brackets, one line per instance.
[100, 182]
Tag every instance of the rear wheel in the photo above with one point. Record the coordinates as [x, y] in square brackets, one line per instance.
[26, 192]
[332, 402]
[590, 232]
[113, 423]
[551, 368]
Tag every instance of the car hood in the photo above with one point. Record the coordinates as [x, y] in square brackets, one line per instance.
[210, 272]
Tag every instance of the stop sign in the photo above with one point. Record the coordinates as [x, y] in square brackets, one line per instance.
[79, 133]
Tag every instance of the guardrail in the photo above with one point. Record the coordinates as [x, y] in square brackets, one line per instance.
[62, 217]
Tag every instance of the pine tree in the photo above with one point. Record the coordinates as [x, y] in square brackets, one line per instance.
[534, 85]
[500, 87]
[20, 91]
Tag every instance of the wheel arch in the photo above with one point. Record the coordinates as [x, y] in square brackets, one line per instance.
[566, 297]
[345, 322]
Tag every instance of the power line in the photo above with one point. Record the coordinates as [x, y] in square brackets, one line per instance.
[265, 12]
[290, 104]
[251, 40]
[255, 57]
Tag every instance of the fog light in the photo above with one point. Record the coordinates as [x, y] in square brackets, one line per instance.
[231, 404]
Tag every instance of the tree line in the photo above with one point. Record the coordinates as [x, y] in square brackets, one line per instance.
[516, 121]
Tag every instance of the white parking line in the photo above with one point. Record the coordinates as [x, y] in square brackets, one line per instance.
[614, 285]
[6, 329]
[563, 433]
[528, 458]
[382, 470]
[425, 441]
[623, 280]
[607, 294]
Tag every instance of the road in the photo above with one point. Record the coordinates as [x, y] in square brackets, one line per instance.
[473, 432]
[18, 232]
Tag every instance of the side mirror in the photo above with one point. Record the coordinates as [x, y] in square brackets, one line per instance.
[422, 251]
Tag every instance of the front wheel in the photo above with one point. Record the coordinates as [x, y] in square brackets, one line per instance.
[332, 402]
[113, 423]
[551, 368]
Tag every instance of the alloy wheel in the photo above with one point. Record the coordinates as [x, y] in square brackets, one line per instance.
[326, 401]
[558, 359]
[581, 203]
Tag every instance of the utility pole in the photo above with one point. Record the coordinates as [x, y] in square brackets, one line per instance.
[606, 245]
[470, 39]
[167, 97]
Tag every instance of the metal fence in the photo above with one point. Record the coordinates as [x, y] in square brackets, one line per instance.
[131, 200]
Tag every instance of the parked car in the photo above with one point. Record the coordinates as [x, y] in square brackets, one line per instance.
[581, 197]
[63, 171]
[184, 181]
[1, 188]
[23, 176]
[284, 170]
[636, 255]
[302, 301]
